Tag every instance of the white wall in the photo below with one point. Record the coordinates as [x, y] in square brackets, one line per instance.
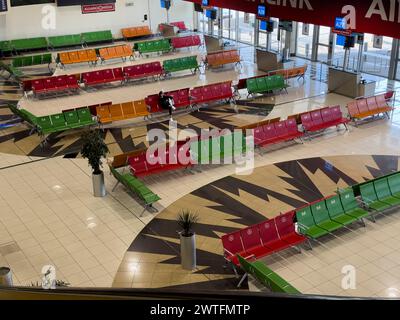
[26, 21]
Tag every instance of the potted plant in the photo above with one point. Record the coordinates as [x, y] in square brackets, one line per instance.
[93, 149]
[186, 220]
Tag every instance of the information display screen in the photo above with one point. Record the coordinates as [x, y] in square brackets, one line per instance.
[262, 11]
[17, 3]
[3, 5]
[63, 3]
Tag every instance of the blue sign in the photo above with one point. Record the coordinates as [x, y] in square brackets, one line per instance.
[262, 11]
[263, 25]
[204, 3]
[340, 40]
[340, 24]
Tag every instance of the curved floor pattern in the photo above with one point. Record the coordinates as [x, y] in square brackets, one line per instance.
[233, 203]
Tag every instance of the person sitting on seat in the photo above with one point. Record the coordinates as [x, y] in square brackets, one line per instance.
[167, 102]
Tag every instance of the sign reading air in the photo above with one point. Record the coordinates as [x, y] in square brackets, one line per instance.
[380, 17]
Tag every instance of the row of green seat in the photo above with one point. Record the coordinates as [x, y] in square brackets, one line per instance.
[67, 120]
[136, 186]
[180, 64]
[153, 46]
[326, 216]
[65, 41]
[265, 84]
[209, 151]
[27, 61]
[23, 44]
[267, 277]
[8, 46]
[97, 36]
[381, 194]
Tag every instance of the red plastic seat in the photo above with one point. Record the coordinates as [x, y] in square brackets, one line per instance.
[232, 244]
[38, 86]
[118, 74]
[372, 105]
[270, 237]
[259, 136]
[138, 165]
[270, 134]
[280, 129]
[286, 230]
[72, 82]
[152, 102]
[363, 106]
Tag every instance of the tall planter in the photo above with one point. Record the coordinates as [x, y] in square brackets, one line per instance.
[94, 149]
[99, 188]
[186, 220]
[188, 252]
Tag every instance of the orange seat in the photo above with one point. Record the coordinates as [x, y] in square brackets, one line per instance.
[112, 53]
[74, 57]
[128, 51]
[116, 112]
[103, 113]
[83, 56]
[64, 58]
[128, 110]
[141, 108]
[91, 54]
[136, 32]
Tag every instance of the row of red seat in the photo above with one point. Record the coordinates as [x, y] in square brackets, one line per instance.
[277, 132]
[262, 239]
[55, 85]
[190, 97]
[321, 119]
[181, 100]
[139, 71]
[141, 166]
[185, 42]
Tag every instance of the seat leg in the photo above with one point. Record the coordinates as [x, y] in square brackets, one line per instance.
[241, 280]
[116, 185]
[309, 244]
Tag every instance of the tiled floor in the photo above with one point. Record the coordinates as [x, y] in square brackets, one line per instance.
[374, 252]
[49, 216]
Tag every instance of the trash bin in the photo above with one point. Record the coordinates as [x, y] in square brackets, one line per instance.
[5, 277]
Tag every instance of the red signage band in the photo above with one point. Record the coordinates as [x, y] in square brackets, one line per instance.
[379, 17]
[95, 8]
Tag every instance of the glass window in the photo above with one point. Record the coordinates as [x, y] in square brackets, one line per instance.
[304, 41]
[376, 57]
[246, 27]
[323, 44]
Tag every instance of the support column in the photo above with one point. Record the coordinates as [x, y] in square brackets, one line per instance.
[331, 49]
[314, 45]
[220, 23]
[394, 57]
[256, 37]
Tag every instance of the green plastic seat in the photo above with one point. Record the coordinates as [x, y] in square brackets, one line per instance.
[261, 85]
[97, 36]
[6, 46]
[47, 58]
[44, 124]
[383, 192]
[29, 44]
[370, 198]
[58, 122]
[17, 62]
[322, 219]
[394, 184]
[307, 225]
[350, 204]
[27, 61]
[336, 211]
[252, 85]
[85, 117]
[72, 119]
